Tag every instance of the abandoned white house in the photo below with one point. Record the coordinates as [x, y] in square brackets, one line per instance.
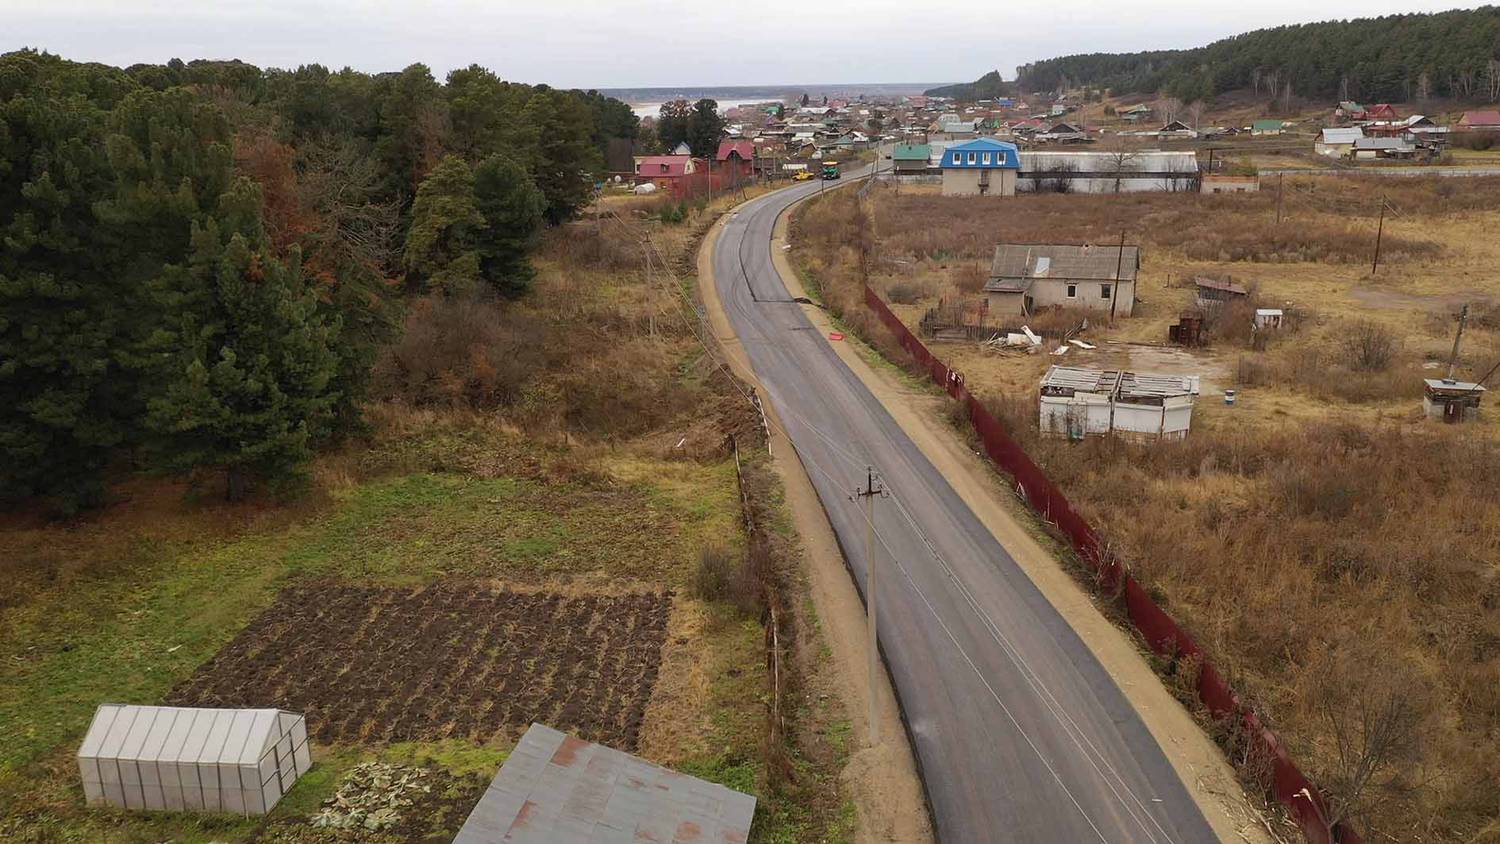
[1078, 402]
[1028, 276]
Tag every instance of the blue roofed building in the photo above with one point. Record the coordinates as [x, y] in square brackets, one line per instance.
[981, 167]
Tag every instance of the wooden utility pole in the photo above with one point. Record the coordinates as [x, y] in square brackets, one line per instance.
[1279, 178]
[868, 494]
[1463, 319]
[1379, 231]
[650, 291]
[1119, 266]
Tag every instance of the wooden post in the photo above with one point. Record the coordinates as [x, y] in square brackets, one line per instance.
[1379, 231]
[1119, 266]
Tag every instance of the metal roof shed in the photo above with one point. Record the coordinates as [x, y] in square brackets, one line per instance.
[558, 789]
[213, 760]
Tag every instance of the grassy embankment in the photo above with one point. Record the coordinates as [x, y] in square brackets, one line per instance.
[529, 446]
[1331, 549]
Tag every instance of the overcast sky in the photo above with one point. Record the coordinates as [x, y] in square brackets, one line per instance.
[638, 43]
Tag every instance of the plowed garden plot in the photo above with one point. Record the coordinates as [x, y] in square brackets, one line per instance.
[370, 664]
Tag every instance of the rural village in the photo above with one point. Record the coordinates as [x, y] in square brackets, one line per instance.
[1108, 450]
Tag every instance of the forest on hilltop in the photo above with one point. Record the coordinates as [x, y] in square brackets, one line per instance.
[199, 261]
[1396, 58]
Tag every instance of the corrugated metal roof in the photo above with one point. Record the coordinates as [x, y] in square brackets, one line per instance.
[1444, 385]
[558, 789]
[911, 152]
[1066, 380]
[1090, 263]
[1382, 143]
[1342, 136]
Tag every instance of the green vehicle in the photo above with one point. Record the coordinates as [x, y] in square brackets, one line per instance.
[830, 170]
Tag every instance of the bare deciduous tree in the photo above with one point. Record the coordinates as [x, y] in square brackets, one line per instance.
[340, 183]
[1369, 346]
[1374, 704]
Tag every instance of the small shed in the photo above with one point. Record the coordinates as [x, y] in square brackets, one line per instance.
[1078, 402]
[1269, 319]
[1450, 400]
[557, 788]
[1213, 292]
[209, 760]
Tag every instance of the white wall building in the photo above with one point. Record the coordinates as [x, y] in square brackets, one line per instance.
[1108, 172]
[1080, 402]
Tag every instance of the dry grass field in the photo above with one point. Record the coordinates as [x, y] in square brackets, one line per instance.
[1333, 550]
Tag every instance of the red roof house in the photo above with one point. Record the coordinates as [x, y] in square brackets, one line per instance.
[663, 169]
[736, 158]
[1380, 111]
[1480, 120]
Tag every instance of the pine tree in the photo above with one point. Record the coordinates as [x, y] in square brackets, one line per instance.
[705, 128]
[512, 208]
[65, 401]
[442, 246]
[245, 387]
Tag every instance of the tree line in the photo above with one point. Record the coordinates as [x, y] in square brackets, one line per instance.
[1392, 58]
[987, 87]
[200, 260]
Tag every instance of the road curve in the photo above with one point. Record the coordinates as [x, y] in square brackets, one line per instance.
[1020, 734]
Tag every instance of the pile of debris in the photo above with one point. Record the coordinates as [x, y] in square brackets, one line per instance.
[373, 797]
[1029, 341]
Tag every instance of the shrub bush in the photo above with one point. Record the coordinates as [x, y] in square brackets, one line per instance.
[463, 351]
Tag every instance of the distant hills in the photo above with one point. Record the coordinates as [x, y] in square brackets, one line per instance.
[1396, 57]
[985, 87]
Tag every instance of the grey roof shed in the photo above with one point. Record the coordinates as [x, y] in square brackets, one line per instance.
[558, 789]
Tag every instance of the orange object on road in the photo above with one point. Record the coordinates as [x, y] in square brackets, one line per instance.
[834, 335]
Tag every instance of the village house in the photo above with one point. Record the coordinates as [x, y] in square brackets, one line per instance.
[664, 171]
[736, 160]
[980, 167]
[1480, 121]
[1026, 277]
[1063, 133]
[1135, 113]
[1338, 142]
[1176, 129]
[1076, 403]
[910, 159]
[1368, 149]
[1267, 127]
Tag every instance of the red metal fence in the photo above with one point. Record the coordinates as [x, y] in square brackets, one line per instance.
[1162, 634]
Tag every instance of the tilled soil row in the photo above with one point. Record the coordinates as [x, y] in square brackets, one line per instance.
[372, 665]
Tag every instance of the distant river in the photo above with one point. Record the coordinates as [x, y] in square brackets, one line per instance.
[654, 109]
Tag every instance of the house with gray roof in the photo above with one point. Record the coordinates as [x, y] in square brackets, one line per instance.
[1025, 277]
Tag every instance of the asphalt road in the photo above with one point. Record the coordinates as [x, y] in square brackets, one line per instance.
[1019, 733]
